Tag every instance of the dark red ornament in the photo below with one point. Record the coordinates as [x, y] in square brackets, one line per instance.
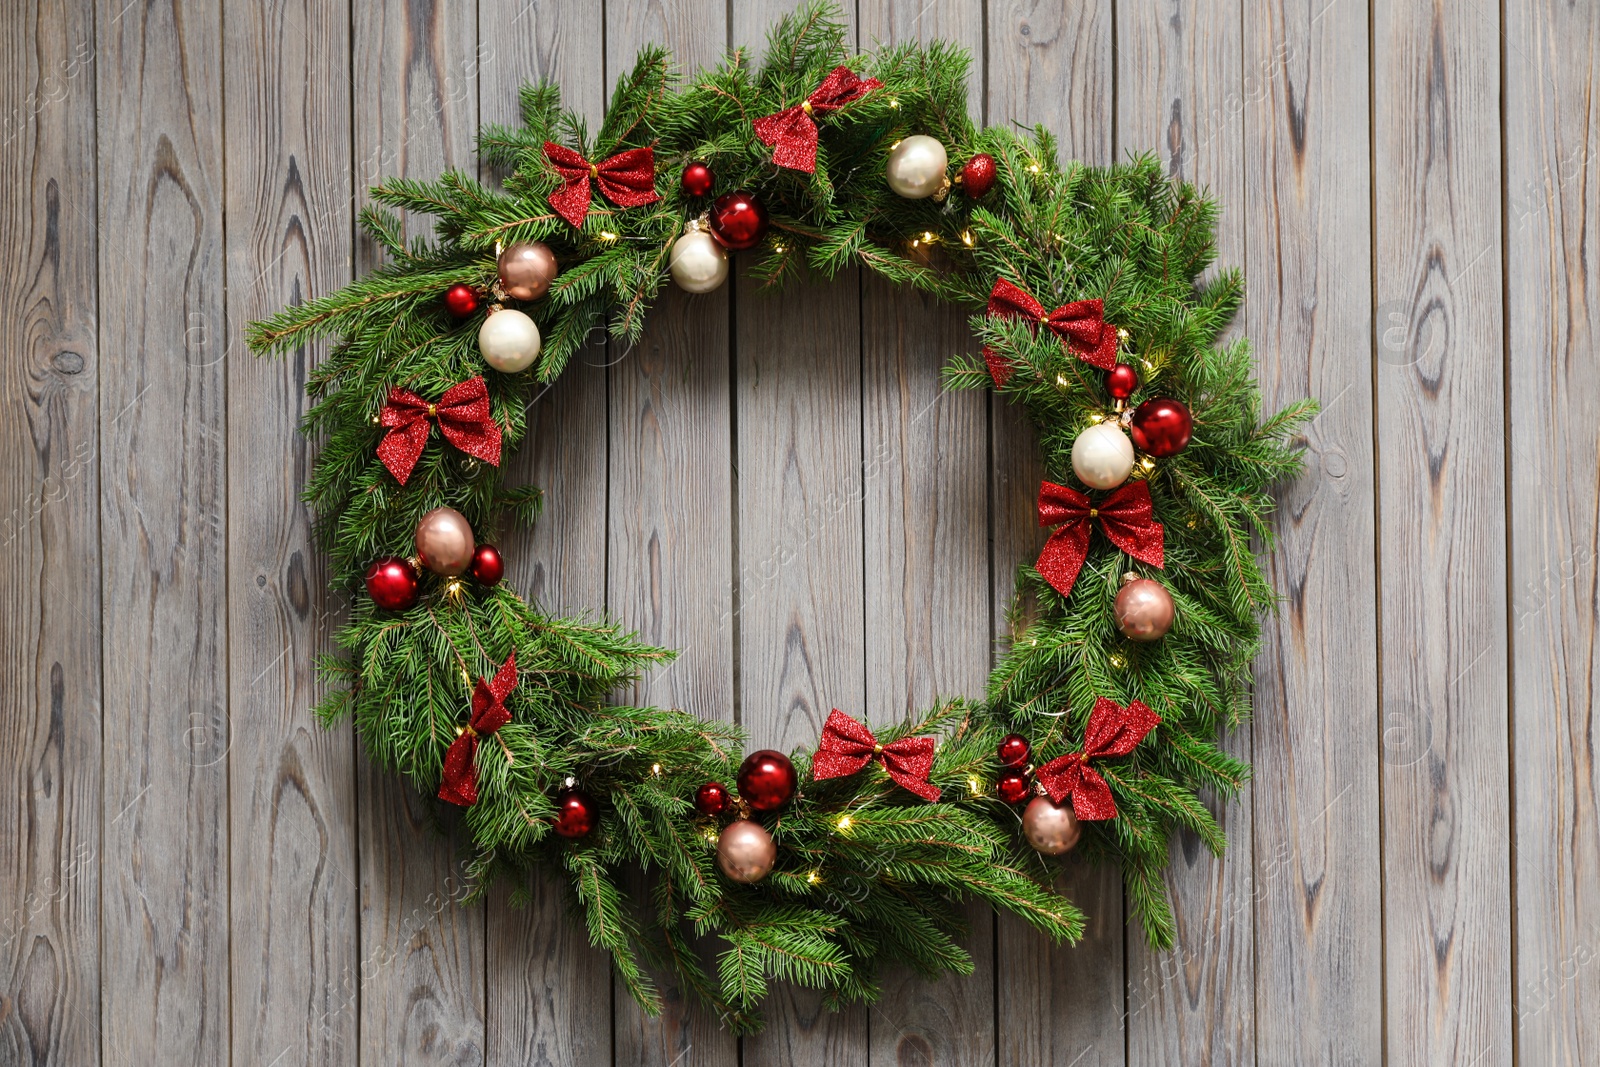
[576, 813]
[698, 179]
[738, 221]
[392, 583]
[977, 177]
[461, 300]
[1121, 381]
[711, 799]
[1161, 427]
[487, 567]
[1013, 787]
[767, 780]
[1013, 750]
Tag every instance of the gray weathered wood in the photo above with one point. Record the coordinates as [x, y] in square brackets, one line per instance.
[1552, 89]
[163, 498]
[414, 109]
[1051, 64]
[1306, 215]
[1442, 532]
[292, 811]
[50, 582]
[1177, 69]
[549, 992]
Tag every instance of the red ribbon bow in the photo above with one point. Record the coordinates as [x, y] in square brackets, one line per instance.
[627, 179]
[1112, 731]
[489, 713]
[463, 416]
[847, 746]
[794, 131]
[1081, 325]
[1126, 515]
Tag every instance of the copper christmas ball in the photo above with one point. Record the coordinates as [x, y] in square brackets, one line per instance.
[711, 799]
[767, 780]
[576, 813]
[745, 851]
[526, 270]
[1050, 828]
[1143, 608]
[444, 541]
[1161, 427]
[392, 583]
[487, 565]
[738, 221]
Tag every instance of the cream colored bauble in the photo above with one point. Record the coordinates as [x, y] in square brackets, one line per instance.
[509, 340]
[1102, 456]
[917, 167]
[699, 264]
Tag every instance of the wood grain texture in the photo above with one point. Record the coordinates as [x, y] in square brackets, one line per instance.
[1051, 64]
[1442, 532]
[549, 992]
[1177, 69]
[292, 810]
[670, 569]
[163, 505]
[50, 815]
[1552, 91]
[1306, 217]
[924, 484]
[414, 103]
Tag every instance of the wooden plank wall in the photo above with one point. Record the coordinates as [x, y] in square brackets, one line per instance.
[193, 872]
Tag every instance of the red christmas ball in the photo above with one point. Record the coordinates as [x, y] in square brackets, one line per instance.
[738, 221]
[977, 177]
[1121, 381]
[767, 780]
[711, 799]
[698, 179]
[576, 813]
[461, 300]
[1013, 750]
[1161, 427]
[1013, 787]
[487, 566]
[392, 583]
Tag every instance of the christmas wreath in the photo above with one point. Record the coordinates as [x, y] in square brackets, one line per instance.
[1130, 647]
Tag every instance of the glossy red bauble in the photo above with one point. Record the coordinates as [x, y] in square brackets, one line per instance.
[1013, 750]
[487, 568]
[461, 300]
[698, 179]
[576, 813]
[1121, 381]
[738, 221]
[392, 583]
[1013, 787]
[767, 780]
[1161, 427]
[711, 799]
[977, 177]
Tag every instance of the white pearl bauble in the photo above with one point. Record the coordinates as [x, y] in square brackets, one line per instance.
[699, 264]
[916, 167]
[509, 340]
[1102, 456]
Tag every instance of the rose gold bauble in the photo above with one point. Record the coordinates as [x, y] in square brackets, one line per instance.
[1050, 828]
[1143, 609]
[444, 542]
[526, 270]
[745, 851]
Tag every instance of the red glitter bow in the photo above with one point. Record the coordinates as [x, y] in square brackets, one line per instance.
[1112, 731]
[463, 416]
[794, 130]
[627, 179]
[847, 746]
[1081, 325]
[1126, 515]
[489, 713]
